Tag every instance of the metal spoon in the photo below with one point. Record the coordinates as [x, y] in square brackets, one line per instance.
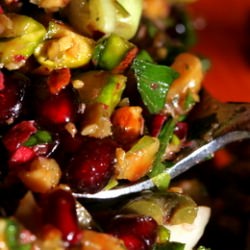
[223, 123]
[194, 158]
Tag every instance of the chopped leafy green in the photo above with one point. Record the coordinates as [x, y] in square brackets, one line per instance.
[41, 136]
[153, 82]
[144, 55]
[165, 138]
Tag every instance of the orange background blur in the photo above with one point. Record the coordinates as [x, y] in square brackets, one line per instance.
[225, 40]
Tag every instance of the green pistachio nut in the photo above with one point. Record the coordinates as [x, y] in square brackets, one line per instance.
[105, 17]
[166, 208]
[100, 87]
[101, 91]
[64, 48]
[19, 40]
[110, 51]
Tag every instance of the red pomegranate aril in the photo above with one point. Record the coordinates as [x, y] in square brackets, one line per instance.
[92, 166]
[21, 155]
[70, 144]
[54, 109]
[60, 211]
[144, 227]
[181, 130]
[157, 123]
[133, 242]
[11, 99]
[57, 109]
[1, 79]
[18, 134]
[67, 146]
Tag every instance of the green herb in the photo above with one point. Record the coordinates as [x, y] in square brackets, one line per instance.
[165, 137]
[40, 137]
[153, 82]
[145, 56]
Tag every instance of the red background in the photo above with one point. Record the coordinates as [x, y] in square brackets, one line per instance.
[225, 40]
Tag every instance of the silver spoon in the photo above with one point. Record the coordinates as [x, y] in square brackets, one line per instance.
[192, 159]
[232, 124]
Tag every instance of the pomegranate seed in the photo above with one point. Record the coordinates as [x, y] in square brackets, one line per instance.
[132, 242]
[157, 123]
[14, 141]
[18, 134]
[181, 130]
[68, 145]
[1, 74]
[54, 109]
[22, 155]
[57, 109]
[11, 99]
[92, 166]
[143, 227]
[60, 211]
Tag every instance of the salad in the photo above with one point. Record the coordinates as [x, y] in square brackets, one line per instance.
[95, 94]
